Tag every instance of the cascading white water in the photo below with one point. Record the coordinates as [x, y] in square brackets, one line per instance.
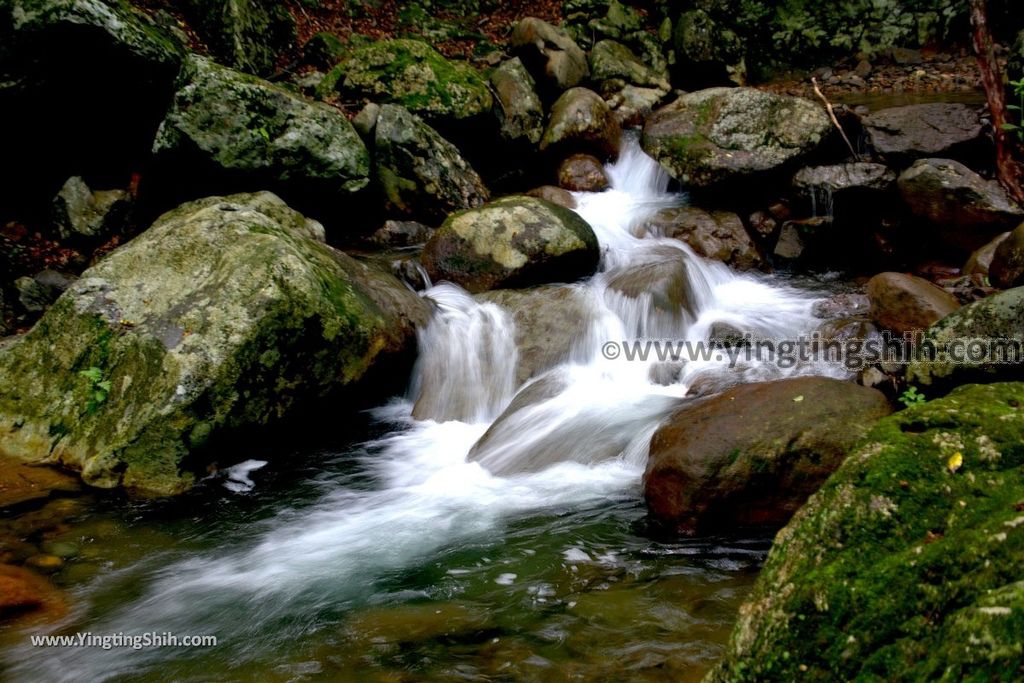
[576, 434]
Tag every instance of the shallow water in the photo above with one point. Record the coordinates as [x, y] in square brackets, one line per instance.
[394, 556]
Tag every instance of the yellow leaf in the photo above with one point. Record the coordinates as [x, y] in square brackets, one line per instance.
[798, 399]
[955, 462]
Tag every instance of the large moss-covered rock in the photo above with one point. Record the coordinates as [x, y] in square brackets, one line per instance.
[244, 34]
[611, 60]
[228, 130]
[753, 454]
[421, 174]
[83, 85]
[721, 134]
[512, 242]
[223, 317]
[906, 564]
[414, 75]
[994, 325]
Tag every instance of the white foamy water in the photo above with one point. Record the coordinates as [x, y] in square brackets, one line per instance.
[577, 435]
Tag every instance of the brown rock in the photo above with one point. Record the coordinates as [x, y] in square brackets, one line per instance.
[555, 195]
[581, 121]
[1007, 269]
[981, 259]
[21, 483]
[717, 235]
[582, 173]
[753, 454]
[904, 303]
[22, 591]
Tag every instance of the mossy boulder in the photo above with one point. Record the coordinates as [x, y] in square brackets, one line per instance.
[713, 136]
[414, 75]
[83, 86]
[906, 563]
[420, 174]
[247, 35]
[752, 455]
[995, 324]
[581, 121]
[515, 241]
[230, 131]
[611, 60]
[224, 317]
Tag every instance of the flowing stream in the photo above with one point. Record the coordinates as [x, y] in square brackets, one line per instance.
[497, 534]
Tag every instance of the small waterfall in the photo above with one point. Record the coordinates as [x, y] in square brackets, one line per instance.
[467, 364]
[822, 201]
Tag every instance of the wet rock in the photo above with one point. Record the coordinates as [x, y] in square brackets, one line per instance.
[421, 174]
[581, 121]
[227, 129]
[659, 279]
[539, 314]
[905, 303]
[995, 322]
[386, 626]
[802, 240]
[21, 483]
[751, 456]
[610, 60]
[244, 34]
[905, 564]
[555, 195]
[223, 317]
[1007, 265]
[859, 177]
[981, 259]
[842, 306]
[80, 213]
[721, 134]
[412, 74]
[949, 195]
[23, 591]
[512, 242]
[517, 107]
[549, 53]
[397, 234]
[707, 53]
[45, 564]
[717, 235]
[903, 134]
[582, 173]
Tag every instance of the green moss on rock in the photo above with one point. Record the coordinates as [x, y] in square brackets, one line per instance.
[413, 74]
[222, 317]
[906, 564]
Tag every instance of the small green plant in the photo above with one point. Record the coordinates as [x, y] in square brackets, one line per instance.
[263, 133]
[912, 397]
[1017, 128]
[99, 390]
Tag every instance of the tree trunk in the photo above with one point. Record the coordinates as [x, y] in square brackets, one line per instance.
[1008, 169]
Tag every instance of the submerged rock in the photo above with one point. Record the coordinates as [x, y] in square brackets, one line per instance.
[1007, 265]
[582, 121]
[414, 75]
[21, 483]
[751, 456]
[906, 303]
[721, 134]
[949, 195]
[23, 592]
[582, 173]
[717, 235]
[549, 53]
[995, 323]
[512, 242]
[228, 130]
[244, 34]
[658, 280]
[517, 107]
[421, 174]
[905, 565]
[222, 318]
[915, 131]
